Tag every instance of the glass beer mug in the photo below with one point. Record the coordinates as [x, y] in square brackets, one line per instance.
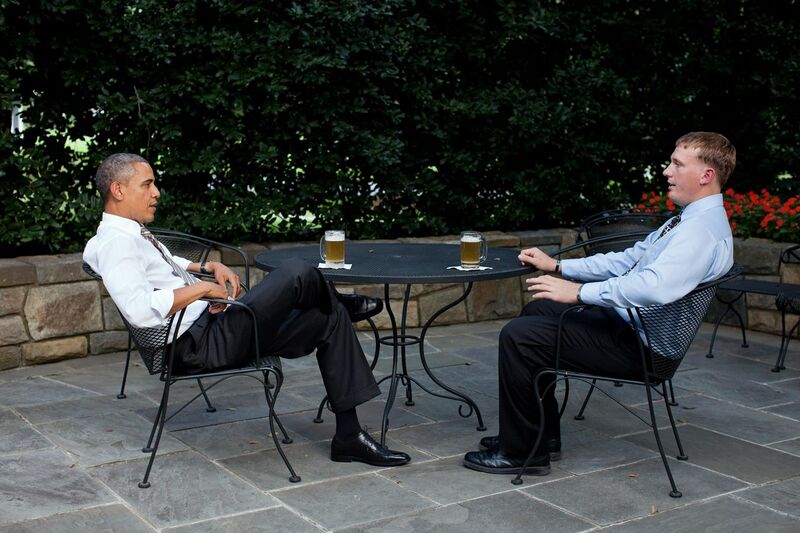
[473, 249]
[331, 247]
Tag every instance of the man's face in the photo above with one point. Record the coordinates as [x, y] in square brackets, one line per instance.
[140, 194]
[686, 176]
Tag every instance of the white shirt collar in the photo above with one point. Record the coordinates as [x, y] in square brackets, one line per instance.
[701, 205]
[125, 224]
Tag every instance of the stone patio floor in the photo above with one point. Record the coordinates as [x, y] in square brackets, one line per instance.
[70, 452]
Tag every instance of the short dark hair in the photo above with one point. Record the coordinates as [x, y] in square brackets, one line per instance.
[713, 149]
[116, 167]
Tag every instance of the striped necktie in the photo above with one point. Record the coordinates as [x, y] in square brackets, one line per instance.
[674, 221]
[187, 278]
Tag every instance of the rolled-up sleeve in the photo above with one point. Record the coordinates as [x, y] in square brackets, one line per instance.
[125, 278]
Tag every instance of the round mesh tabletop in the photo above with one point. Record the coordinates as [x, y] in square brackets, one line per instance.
[401, 263]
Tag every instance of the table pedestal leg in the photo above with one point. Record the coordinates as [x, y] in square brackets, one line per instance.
[399, 343]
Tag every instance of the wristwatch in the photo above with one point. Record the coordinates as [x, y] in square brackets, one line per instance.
[558, 266]
[203, 268]
[579, 294]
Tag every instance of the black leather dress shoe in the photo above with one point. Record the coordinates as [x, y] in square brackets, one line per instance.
[553, 446]
[360, 307]
[364, 449]
[494, 462]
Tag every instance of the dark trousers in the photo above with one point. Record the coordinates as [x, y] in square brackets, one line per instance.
[297, 312]
[595, 340]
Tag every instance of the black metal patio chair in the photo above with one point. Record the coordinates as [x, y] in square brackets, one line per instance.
[195, 249]
[156, 349]
[668, 332]
[740, 287]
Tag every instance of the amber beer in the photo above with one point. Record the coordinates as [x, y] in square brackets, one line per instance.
[473, 249]
[332, 249]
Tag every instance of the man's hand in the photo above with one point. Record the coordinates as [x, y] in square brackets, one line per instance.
[537, 259]
[223, 275]
[553, 288]
[215, 290]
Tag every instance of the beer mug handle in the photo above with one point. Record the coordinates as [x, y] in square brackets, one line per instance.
[322, 250]
[484, 249]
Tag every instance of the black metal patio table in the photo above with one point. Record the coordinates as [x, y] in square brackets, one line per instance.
[407, 264]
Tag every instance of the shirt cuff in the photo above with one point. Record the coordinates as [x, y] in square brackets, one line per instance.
[567, 269]
[161, 302]
[590, 294]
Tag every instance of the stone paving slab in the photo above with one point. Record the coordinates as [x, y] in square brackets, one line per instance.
[38, 390]
[106, 379]
[106, 518]
[782, 496]
[106, 439]
[719, 515]
[86, 406]
[502, 513]
[731, 388]
[17, 435]
[354, 500]
[267, 521]
[445, 438]
[446, 481]
[236, 438]
[742, 460]
[736, 420]
[45, 482]
[631, 491]
[228, 409]
[311, 461]
[185, 487]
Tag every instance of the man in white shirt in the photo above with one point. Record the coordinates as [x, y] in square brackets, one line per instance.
[296, 309]
[689, 249]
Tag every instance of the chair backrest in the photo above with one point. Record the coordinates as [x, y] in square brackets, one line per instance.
[184, 245]
[150, 342]
[197, 249]
[635, 224]
[671, 328]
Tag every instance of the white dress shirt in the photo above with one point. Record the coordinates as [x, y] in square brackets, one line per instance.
[136, 276]
[698, 249]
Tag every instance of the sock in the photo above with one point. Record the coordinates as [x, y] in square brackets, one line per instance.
[347, 425]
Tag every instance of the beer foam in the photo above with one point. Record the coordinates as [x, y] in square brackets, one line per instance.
[333, 236]
[470, 238]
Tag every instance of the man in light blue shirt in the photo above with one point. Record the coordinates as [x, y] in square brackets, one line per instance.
[691, 248]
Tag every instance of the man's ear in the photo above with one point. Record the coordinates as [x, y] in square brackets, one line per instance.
[708, 176]
[116, 190]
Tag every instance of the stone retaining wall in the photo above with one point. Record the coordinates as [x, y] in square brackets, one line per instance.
[51, 310]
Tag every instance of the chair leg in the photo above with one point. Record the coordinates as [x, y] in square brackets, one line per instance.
[318, 419]
[566, 398]
[271, 401]
[579, 416]
[148, 447]
[160, 421]
[779, 363]
[671, 400]
[293, 477]
[674, 493]
[121, 394]
[681, 454]
[209, 408]
[784, 349]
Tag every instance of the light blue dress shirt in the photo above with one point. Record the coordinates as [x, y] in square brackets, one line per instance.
[698, 249]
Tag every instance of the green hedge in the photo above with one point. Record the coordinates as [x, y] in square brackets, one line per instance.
[271, 120]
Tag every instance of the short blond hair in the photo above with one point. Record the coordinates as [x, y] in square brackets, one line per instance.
[714, 150]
